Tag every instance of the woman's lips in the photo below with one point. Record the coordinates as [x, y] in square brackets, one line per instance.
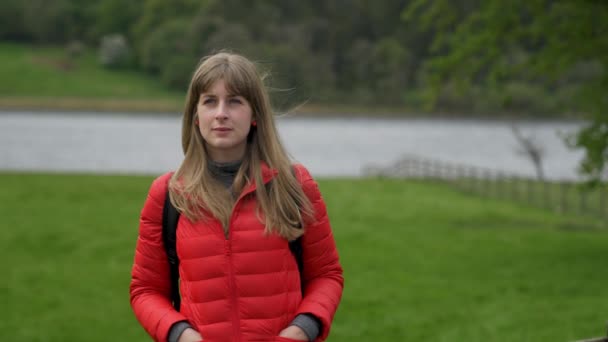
[221, 131]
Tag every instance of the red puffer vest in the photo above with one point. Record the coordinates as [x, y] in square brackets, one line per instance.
[242, 288]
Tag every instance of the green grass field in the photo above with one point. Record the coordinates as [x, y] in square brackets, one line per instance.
[43, 77]
[422, 262]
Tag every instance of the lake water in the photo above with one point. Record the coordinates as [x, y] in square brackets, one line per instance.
[150, 144]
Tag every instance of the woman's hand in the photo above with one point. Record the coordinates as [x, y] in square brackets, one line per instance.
[294, 332]
[190, 335]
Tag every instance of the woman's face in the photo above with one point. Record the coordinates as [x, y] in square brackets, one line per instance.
[224, 122]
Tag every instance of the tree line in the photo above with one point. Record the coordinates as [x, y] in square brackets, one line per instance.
[483, 57]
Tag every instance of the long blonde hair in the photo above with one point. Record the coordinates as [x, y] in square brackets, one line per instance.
[282, 206]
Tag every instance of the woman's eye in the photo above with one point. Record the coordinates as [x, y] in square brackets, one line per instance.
[236, 101]
[208, 101]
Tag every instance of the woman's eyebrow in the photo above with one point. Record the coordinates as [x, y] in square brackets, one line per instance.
[213, 95]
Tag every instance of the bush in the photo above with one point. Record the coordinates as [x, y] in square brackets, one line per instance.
[114, 51]
[74, 49]
[177, 71]
[527, 98]
[163, 44]
[170, 52]
[11, 17]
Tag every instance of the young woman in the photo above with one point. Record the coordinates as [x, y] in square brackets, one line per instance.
[241, 202]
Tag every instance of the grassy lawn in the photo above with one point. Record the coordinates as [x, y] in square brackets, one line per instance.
[43, 77]
[422, 262]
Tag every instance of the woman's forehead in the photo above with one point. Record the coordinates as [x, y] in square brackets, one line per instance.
[224, 85]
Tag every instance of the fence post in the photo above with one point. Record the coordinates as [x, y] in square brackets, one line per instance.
[501, 185]
[513, 184]
[427, 169]
[487, 177]
[406, 168]
[563, 194]
[603, 212]
[496, 185]
[583, 199]
[460, 176]
[547, 195]
[439, 173]
[529, 185]
[472, 179]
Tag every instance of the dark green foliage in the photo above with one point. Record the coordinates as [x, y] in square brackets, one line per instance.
[167, 41]
[11, 20]
[524, 50]
[177, 71]
[594, 140]
[115, 17]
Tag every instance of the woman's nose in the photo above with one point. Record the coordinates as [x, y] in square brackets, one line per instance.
[222, 110]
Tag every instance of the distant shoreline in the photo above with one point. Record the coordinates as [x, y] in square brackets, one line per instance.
[165, 106]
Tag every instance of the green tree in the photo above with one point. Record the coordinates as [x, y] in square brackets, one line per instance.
[490, 40]
[156, 13]
[168, 51]
[116, 17]
[11, 19]
[48, 21]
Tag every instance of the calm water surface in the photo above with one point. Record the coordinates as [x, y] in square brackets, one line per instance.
[150, 144]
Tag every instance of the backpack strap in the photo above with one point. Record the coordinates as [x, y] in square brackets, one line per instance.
[296, 249]
[170, 219]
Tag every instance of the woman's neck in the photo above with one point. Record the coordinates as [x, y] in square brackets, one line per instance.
[224, 172]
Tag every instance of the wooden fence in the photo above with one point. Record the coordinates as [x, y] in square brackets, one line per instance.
[562, 197]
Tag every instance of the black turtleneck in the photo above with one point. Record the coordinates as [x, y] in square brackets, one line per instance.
[224, 172]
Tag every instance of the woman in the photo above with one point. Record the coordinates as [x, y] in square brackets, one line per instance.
[241, 202]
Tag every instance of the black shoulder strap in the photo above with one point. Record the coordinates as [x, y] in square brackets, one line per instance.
[296, 249]
[170, 218]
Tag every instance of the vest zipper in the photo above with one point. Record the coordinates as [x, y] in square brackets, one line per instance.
[231, 280]
[231, 277]
[233, 300]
